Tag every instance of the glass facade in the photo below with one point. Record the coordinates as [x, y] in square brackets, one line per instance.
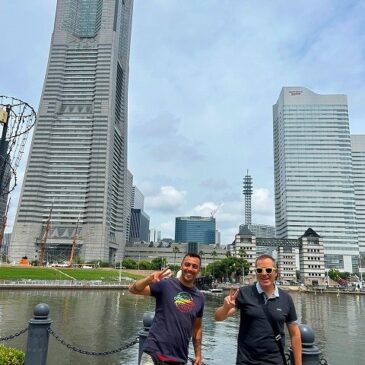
[195, 229]
[313, 171]
[358, 169]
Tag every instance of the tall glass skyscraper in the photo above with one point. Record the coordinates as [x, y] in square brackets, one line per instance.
[195, 229]
[358, 169]
[313, 173]
[77, 169]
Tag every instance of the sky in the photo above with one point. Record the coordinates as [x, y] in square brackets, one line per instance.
[203, 78]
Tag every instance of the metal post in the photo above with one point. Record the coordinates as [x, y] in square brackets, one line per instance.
[143, 333]
[38, 335]
[310, 352]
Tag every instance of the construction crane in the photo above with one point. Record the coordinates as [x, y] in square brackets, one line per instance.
[214, 211]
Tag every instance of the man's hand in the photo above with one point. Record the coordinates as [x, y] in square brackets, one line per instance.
[229, 306]
[198, 361]
[157, 276]
[141, 286]
[230, 300]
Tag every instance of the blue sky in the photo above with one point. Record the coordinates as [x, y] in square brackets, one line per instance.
[203, 78]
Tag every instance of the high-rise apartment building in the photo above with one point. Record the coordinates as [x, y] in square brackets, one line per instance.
[195, 229]
[313, 173]
[78, 159]
[358, 170]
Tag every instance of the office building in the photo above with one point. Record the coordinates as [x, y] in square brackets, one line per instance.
[155, 235]
[137, 198]
[140, 226]
[77, 165]
[313, 173]
[195, 229]
[358, 170]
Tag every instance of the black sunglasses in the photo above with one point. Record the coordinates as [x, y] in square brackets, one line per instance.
[265, 270]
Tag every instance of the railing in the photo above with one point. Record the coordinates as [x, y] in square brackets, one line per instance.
[39, 329]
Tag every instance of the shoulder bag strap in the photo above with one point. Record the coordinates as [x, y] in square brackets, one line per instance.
[275, 328]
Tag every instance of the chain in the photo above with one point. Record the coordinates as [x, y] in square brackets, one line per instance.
[14, 335]
[91, 353]
[323, 362]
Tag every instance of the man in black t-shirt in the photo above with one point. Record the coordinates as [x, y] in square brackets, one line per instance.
[256, 343]
[178, 313]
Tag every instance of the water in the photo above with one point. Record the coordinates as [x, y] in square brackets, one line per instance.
[104, 320]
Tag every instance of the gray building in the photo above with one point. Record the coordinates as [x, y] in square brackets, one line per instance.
[358, 170]
[313, 173]
[77, 165]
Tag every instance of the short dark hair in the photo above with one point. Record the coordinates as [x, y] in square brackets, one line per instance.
[191, 254]
[263, 257]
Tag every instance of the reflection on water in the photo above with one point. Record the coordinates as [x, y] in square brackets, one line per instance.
[105, 320]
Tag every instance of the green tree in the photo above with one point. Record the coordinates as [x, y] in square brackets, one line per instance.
[145, 265]
[175, 250]
[158, 263]
[129, 263]
[334, 274]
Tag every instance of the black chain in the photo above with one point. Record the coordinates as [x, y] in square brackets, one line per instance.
[14, 335]
[92, 353]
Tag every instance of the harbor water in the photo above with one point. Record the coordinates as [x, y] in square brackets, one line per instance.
[101, 320]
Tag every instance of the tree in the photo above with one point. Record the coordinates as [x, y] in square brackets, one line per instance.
[334, 274]
[129, 263]
[175, 250]
[158, 263]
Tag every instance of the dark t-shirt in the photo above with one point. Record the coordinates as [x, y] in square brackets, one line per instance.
[256, 342]
[177, 306]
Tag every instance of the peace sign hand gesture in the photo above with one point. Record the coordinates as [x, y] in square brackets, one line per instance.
[157, 276]
[230, 300]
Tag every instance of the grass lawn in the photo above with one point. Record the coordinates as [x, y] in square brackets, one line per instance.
[45, 273]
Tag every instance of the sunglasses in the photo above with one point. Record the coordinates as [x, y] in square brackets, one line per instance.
[265, 270]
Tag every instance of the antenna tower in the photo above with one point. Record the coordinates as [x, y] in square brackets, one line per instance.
[247, 192]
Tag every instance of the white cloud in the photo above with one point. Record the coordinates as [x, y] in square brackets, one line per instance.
[262, 202]
[168, 199]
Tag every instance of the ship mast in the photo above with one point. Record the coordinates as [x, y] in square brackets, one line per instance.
[74, 242]
[43, 245]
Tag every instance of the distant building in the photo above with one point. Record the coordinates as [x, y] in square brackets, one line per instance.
[137, 198]
[155, 235]
[261, 230]
[174, 252]
[140, 223]
[358, 170]
[313, 173]
[195, 229]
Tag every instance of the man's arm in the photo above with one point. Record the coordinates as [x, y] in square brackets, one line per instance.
[296, 342]
[142, 286]
[228, 308]
[197, 341]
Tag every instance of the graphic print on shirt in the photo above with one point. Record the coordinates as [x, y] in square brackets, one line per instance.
[184, 302]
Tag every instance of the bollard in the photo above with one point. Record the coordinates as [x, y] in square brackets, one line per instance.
[310, 352]
[38, 335]
[143, 333]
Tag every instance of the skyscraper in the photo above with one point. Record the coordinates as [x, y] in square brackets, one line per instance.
[358, 169]
[78, 159]
[313, 173]
[195, 229]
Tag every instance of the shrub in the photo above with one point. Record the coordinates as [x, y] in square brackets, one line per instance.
[11, 356]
